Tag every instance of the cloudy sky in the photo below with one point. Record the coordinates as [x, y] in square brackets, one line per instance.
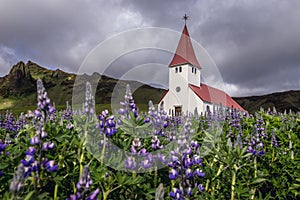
[255, 44]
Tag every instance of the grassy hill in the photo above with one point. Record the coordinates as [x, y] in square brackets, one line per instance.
[18, 87]
[289, 100]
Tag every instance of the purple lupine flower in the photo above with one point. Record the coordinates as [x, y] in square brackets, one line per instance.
[197, 160]
[130, 163]
[136, 143]
[85, 181]
[182, 161]
[29, 159]
[31, 151]
[50, 166]
[48, 146]
[176, 194]
[200, 187]
[173, 174]
[189, 191]
[187, 161]
[76, 196]
[189, 173]
[34, 141]
[94, 195]
[143, 152]
[199, 173]
[89, 104]
[70, 126]
[27, 171]
[67, 114]
[35, 167]
[194, 145]
[110, 131]
[2, 146]
[262, 153]
[156, 143]
[107, 124]
[158, 119]
[43, 100]
[128, 105]
[146, 164]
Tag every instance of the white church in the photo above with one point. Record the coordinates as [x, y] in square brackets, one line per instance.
[186, 93]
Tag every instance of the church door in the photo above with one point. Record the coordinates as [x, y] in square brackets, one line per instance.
[177, 110]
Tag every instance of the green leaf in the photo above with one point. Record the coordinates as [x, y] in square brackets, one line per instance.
[28, 196]
[259, 180]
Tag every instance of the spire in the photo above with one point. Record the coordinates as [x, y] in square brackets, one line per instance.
[185, 51]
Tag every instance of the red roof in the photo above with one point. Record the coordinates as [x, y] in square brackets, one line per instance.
[213, 95]
[185, 51]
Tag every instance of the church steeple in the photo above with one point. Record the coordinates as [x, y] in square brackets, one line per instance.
[185, 52]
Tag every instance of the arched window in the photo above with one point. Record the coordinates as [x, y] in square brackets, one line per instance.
[176, 70]
[192, 69]
[195, 70]
[180, 69]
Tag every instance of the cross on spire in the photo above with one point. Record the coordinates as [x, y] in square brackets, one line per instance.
[185, 17]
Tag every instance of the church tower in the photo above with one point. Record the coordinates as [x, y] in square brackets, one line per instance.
[184, 70]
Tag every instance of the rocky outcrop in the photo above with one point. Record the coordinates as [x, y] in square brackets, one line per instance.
[18, 82]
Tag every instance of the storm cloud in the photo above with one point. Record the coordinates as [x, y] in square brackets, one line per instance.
[255, 44]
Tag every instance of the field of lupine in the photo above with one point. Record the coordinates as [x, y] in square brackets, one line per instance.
[74, 154]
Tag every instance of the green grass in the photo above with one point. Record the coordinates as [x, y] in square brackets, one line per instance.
[6, 103]
[99, 108]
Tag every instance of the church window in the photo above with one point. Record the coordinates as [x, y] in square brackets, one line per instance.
[195, 71]
[176, 70]
[192, 69]
[180, 69]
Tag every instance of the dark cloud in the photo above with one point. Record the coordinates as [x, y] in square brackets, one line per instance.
[255, 44]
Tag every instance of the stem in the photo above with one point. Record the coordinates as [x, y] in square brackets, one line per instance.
[233, 184]
[255, 176]
[291, 146]
[211, 165]
[218, 174]
[155, 177]
[255, 167]
[103, 150]
[133, 174]
[55, 191]
[83, 148]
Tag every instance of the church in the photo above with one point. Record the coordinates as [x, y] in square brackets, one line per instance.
[186, 93]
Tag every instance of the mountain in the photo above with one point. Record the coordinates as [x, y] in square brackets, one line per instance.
[18, 87]
[289, 100]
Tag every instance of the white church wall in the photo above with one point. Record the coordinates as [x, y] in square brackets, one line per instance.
[195, 104]
[193, 75]
[178, 85]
